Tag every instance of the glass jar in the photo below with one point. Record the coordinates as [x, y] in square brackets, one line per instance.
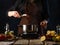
[58, 29]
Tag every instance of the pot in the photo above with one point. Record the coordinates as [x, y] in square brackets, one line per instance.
[25, 29]
[29, 31]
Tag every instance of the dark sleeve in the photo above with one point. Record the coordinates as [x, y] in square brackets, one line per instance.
[19, 6]
[15, 6]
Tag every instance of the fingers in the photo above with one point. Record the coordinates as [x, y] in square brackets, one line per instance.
[10, 13]
[43, 24]
[24, 15]
[13, 13]
[16, 15]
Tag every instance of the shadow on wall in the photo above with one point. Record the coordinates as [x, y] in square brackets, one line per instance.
[53, 7]
[4, 6]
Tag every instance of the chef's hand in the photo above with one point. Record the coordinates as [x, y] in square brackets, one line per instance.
[43, 24]
[14, 14]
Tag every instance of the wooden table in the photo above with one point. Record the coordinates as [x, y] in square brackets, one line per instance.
[28, 42]
[51, 43]
[6, 42]
[35, 42]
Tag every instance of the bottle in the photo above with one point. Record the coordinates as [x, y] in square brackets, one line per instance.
[58, 29]
[7, 29]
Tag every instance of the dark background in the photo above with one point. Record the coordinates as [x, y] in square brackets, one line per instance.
[53, 8]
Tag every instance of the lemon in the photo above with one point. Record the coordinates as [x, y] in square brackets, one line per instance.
[57, 37]
[43, 38]
[48, 32]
